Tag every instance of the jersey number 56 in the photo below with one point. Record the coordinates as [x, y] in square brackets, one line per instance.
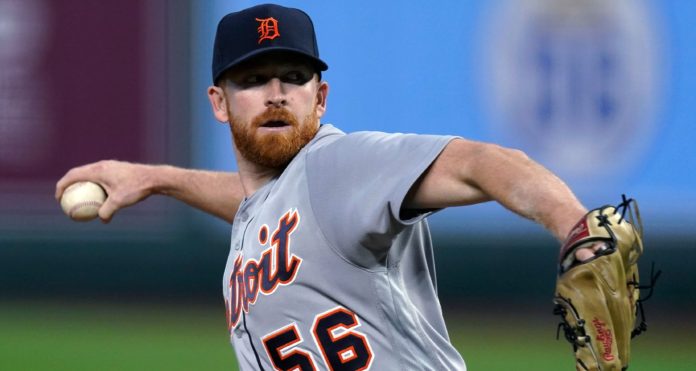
[342, 347]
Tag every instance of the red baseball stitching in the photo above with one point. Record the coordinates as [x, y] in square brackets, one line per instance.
[83, 203]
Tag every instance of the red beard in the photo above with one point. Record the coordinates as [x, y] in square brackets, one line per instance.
[273, 150]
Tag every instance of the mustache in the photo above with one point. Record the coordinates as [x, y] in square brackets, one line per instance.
[275, 114]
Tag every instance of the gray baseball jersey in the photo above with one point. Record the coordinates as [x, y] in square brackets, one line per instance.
[325, 270]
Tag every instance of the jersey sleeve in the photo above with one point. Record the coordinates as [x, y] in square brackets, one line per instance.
[357, 186]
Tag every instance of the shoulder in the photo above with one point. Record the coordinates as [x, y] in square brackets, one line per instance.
[358, 143]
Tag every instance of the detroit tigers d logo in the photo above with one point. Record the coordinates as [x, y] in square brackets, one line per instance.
[268, 29]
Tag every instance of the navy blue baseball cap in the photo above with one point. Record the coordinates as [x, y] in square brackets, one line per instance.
[263, 29]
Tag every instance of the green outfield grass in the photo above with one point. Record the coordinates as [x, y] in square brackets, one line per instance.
[159, 337]
[526, 343]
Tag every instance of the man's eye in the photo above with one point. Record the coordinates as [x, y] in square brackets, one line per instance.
[251, 80]
[295, 77]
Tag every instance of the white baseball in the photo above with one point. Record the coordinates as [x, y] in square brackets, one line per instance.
[81, 201]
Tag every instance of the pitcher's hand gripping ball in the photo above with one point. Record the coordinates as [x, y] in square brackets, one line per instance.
[81, 201]
[598, 298]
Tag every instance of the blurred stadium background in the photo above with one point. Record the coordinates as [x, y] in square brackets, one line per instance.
[601, 92]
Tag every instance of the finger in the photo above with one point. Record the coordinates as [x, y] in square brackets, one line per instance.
[61, 185]
[107, 210]
[91, 172]
[73, 175]
[583, 254]
[589, 252]
[599, 247]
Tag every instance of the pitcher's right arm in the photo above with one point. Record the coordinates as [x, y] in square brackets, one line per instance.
[216, 193]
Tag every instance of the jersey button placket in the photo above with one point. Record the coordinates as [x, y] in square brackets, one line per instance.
[238, 332]
[236, 241]
[242, 222]
[238, 224]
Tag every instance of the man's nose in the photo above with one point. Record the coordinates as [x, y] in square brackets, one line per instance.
[276, 94]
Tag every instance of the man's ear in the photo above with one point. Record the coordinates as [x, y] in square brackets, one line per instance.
[322, 95]
[218, 103]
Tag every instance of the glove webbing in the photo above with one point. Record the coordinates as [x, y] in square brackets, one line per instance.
[643, 325]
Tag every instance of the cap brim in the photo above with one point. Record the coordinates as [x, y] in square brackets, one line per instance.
[318, 63]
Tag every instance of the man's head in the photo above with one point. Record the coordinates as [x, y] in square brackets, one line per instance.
[266, 71]
[262, 29]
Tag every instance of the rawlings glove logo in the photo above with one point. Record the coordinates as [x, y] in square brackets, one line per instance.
[605, 337]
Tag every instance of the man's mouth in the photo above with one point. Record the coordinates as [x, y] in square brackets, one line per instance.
[275, 124]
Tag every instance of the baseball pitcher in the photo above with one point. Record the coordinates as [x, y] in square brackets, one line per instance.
[331, 263]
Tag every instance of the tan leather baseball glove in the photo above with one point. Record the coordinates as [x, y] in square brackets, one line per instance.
[598, 298]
